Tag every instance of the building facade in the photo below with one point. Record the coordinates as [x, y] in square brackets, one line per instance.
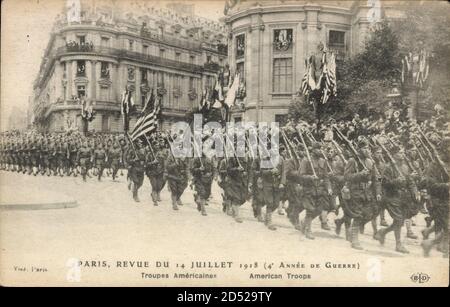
[269, 42]
[98, 48]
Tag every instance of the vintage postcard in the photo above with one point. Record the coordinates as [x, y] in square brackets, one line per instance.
[224, 143]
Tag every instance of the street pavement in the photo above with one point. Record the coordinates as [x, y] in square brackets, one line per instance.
[108, 224]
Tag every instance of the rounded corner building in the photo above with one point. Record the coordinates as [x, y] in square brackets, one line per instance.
[270, 40]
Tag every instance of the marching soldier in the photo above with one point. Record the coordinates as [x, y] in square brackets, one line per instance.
[177, 178]
[294, 189]
[100, 158]
[223, 182]
[436, 180]
[316, 187]
[237, 185]
[362, 185]
[73, 150]
[202, 172]
[155, 172]
[266, 191]
[397, 188]
[136, 159]
[115, 158]
[83, 158]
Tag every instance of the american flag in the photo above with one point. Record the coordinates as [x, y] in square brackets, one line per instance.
[329, 74]
[327, 80]
[147, 123]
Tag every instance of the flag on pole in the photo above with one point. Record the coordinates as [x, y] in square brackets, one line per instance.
[149, 103]
[127, 107]
[231, 95]
[147, 123]
[329, 75]
[217, 98]
[204, 105]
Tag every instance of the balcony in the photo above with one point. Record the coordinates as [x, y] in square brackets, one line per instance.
[131, 55]
[170, 40]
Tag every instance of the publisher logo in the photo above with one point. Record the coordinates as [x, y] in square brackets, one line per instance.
[420, 278]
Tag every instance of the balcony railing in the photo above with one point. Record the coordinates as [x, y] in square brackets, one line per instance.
[132, 55]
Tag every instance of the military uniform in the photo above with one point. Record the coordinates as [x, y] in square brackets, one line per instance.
[266, 189]
[237, 181]
[83, 157]
[155, 173]
[177, 177]
[100, 158]
[360, 190]
[316, 189]
[398, 193]
[136, 167]
[202, 171]
[294, 191]
[437, 184]
[115, 159]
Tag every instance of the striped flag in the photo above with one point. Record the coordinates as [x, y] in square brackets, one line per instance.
[305, 88]
[329, 74]
[147, 123]
[127, 108]
[149, 103]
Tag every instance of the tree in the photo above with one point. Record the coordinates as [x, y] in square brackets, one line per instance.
[363, 80]
[427, 25]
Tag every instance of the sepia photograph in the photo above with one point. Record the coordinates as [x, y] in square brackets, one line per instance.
[224, 143]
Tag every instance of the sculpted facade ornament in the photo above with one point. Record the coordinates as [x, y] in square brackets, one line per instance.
[282, 39]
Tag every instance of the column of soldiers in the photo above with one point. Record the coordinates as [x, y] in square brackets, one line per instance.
[57, 154]
[360, 170]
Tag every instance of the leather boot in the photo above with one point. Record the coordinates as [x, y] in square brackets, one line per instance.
[348, 234]
[259, 215]
[381, 234]
[268, 221]
[324, 220]
[174, 203]
[229, 209]
[202, 207]
[155, 202]
[135, 195]
[307, 228]
[338, 223]
[355, 240]
[398, 244]
[237, 217]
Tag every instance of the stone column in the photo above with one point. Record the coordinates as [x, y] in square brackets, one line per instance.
[89, 77]
[121, 81]
[114, 82]
[71, 84]
[312, 30]
[58, 80]
[93, 81]
[137, 82]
